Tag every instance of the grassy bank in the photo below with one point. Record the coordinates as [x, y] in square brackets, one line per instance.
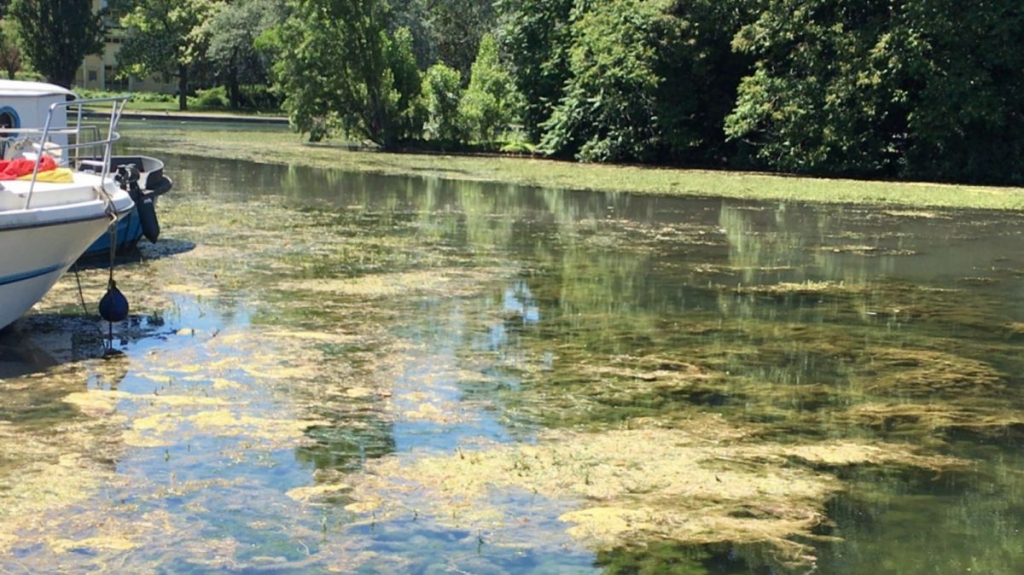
[277, 145]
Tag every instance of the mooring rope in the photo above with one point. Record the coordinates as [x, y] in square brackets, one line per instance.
[81, 294]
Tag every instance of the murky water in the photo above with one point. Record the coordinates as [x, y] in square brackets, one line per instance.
[327, 372]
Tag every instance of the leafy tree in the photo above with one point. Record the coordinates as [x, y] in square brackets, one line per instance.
[413, 15]
[608, 111]
[55, 35]
[405, 103]
[536, 35]
[491, 102]
[164, 37]
[816, 102]
[455, 28]
[442, 88]
[960, 70]
[341, 65]
[698, 73]
[927, 89]
[666, 65]
[446, 31]
[10, 54]
[232, 32]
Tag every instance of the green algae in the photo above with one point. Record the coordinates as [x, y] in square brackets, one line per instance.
[705, 481]
[357, 321]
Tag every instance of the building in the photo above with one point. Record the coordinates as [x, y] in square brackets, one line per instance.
[99, 72]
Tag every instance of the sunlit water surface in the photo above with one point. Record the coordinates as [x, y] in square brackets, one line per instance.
[315, 359]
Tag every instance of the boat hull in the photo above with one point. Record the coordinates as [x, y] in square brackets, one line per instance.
[34, 258]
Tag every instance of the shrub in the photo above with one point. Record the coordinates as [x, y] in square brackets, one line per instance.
[211, 99]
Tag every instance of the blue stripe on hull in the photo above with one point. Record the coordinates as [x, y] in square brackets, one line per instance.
[13, 279]
[129, 231]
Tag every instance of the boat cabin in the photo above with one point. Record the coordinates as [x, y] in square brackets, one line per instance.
[27, 105]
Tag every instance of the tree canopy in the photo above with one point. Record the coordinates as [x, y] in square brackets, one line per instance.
[56, 35]
[342, 66]
[927, 89]
[164, 37]
[913, 89]
[234, 51]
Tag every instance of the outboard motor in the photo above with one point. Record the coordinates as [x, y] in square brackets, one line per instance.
[127, 177]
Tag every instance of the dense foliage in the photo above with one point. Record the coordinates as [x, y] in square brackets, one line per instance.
[234, 53]
[923, 89]
[164, 37]
[55, 35]
[442, 96]
[490, 102]
[913, 89]
[342, 65]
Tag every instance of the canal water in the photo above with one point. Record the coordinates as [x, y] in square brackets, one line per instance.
[328, 372]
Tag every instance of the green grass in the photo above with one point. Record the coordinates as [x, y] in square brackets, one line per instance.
[277, 145]
[170, 106]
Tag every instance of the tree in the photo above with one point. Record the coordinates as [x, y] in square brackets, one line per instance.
[164, 37]
[608, 110]
[340, 65]
[455, 28]
[10, 54]
[232, 33]
[442, 88]
[816, 102]
[698, 73]
[446, 31]
[490, 103]
[960, 70]
[536, 35]
[925, 89]
[56, 35]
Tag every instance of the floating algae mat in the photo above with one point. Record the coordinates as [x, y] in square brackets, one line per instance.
[327, 372]
[705, 482]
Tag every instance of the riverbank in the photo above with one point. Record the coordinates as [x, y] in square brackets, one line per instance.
[195, 134]
[195, 117]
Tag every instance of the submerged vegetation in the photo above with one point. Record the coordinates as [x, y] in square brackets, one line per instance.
[700, 481]
[342, 372]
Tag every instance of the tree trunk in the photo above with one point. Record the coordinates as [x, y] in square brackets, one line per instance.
[234, 93]
[182, 87]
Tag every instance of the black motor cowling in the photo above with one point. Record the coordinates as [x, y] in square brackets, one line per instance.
[127, 177]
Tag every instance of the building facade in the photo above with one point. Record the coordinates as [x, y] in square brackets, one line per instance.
[100, 71]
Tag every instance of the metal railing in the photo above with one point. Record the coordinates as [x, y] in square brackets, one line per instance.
[72, 149]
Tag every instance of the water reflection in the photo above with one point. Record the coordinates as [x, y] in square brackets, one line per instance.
[326, 330]
[18, 358]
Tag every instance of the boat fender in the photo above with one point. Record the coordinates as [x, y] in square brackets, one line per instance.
[147, 217]
[113, 305]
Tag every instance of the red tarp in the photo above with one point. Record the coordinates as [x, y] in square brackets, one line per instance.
[13, 169]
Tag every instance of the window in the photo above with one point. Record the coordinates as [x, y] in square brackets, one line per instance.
[92, 76]
[9, 119]
[113, 82]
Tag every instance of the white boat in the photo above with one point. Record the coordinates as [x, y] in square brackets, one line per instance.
[55, 209]
[26, 105]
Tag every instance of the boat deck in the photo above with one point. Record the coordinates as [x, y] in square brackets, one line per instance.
[13, 193]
